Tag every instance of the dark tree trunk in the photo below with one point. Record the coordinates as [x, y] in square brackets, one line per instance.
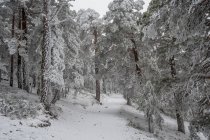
[173, 69]
[128, 101]
[98, 90]
[104, 86]
[34, 81]
[11, 70]
[45, 83]
[136, 57]
[19, 59]
[12, 56]
[24, 63]
[180, 121]
[150, 121]
[56, 96]
[0, 75]
[25, 81]
[177, 99]
[39, 86]
[19, 75]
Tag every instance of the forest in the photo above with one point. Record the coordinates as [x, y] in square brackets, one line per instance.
[126, 75]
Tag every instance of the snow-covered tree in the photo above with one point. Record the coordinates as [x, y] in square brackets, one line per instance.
[90, 24]
[123, 31]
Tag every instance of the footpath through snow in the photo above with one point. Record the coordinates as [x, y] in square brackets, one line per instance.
[78, 121]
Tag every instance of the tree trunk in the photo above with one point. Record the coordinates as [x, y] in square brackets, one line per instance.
[179, 116]
[128, 101]
[136, 57]
[45, 83]
[98, 90]
[24, 63]
[177, 99]
[0, 75]
[11, 70]
[19, 75]
[110, 87]
[12, 56]
[56, 96]
[39, 86]
[34, 81]
[150, 121]
[180, 121]
[104, 86]
[25, 76]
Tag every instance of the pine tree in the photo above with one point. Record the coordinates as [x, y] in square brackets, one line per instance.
[45, 65]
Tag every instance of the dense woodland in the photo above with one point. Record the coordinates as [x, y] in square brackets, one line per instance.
[159, 59]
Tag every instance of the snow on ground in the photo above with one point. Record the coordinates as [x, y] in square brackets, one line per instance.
[169, 132]
[81, 119]
[15, 103]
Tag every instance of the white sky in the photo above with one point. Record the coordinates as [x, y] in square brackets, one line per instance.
[101, 6]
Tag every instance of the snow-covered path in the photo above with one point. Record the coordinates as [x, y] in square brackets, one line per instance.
[97, 122]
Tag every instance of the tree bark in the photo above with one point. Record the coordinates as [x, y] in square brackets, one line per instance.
[24, 63]
[45, 83]
[180, 121]
[25, 76]
[38, 83]
[150, 121]
[34, 81]
[11, 69]
[136, 57]
[0, 75]
[128, 101]
[98, 90]
[104, 86]
[19, 59]
[173, 69]
[12, 56]
[177, 99]
[19, 75]
[56, 96]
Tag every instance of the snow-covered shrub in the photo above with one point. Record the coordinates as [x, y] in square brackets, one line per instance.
[19, 105]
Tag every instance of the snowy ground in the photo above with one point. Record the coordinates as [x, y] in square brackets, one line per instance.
[81, 119]
[169, 127]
